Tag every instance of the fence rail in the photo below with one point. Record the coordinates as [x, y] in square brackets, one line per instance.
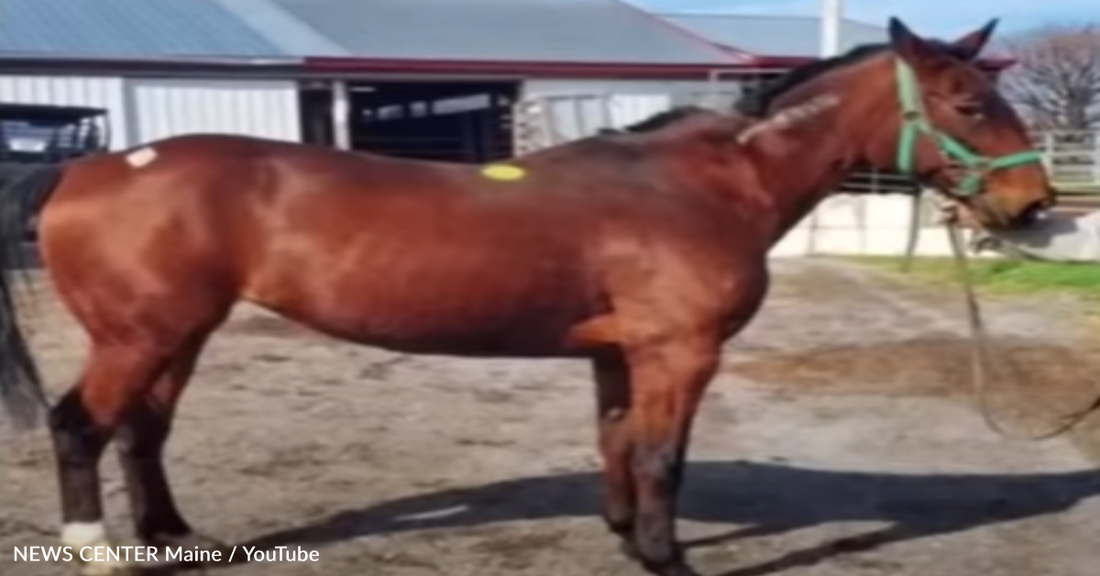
[1072, 158]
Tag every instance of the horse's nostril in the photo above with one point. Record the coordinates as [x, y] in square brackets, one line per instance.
[1032, 212]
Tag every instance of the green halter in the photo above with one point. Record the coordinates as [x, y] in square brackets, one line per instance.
[915, 122]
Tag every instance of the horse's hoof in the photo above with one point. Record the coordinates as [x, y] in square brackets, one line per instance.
[89, 543]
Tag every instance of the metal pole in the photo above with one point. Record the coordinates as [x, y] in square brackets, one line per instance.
[341, 115]
[832, 17]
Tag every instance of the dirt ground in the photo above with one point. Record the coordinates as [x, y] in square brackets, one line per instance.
[839, 440]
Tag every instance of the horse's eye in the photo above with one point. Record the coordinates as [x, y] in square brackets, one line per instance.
[971, 110]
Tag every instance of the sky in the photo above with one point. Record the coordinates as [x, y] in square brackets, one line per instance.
[944, 18]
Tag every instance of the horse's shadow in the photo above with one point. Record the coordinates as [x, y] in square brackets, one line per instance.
[761, 498]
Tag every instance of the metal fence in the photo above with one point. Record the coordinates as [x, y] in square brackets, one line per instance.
[1072, 158]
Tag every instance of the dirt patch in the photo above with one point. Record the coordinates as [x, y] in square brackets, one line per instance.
[1031, 387]
[936, 365]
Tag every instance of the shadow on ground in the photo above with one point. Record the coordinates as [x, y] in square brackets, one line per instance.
[762, 499]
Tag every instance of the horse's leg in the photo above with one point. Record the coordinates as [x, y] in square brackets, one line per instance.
[668, 381]
[116, 376]
[613, 403]
[141, 439]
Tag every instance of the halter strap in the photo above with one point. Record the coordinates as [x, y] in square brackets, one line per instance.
[915, 123]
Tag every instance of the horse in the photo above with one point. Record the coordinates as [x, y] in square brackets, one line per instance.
[640, 252]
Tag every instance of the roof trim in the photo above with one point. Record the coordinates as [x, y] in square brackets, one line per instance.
[7, 57]
[524, 68]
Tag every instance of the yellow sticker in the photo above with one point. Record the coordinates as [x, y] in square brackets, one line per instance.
[504, 172]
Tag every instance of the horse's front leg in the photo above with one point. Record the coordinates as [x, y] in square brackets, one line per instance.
[612, 406]
[667, 382]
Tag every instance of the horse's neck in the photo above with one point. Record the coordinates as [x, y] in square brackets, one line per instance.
[798, 164]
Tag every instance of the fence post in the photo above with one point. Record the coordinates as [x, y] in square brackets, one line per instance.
[1048, 153]
[1096, 157]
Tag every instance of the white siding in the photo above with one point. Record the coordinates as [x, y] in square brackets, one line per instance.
[96, 91]
[679, 91]
[161, 108]
[568, 117]
[143, 109]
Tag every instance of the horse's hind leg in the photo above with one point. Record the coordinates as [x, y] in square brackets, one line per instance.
[141, 439]
[138, 355]
[82, 423]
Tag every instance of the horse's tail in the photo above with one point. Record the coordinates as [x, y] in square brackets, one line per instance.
[23, 192]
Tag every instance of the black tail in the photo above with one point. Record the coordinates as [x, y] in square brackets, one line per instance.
[23, 192]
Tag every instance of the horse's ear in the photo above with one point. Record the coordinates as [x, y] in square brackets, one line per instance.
[912, 48]
[969, 46]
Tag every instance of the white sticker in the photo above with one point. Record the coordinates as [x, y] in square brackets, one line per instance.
[141, 157]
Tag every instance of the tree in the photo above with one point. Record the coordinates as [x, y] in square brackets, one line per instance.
[1056, 79]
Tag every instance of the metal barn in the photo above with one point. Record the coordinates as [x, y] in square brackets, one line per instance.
[431, 78]
[468, 81]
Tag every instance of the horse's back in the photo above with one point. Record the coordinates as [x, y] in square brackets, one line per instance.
[411, 255]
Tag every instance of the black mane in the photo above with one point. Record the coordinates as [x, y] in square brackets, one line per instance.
[756, 104]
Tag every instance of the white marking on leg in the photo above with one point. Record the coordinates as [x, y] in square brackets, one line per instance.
[80, 535]
[141, 157]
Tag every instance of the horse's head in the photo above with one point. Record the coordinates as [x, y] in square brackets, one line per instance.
[952, 129]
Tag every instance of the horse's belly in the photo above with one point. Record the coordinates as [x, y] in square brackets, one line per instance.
[456, 319]
[445, 309]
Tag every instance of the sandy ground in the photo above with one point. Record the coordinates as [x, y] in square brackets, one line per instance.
[838, 441]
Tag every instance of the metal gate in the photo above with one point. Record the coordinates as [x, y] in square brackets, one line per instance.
[545, 121]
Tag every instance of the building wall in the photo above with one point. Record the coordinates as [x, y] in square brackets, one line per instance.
[145, 109]
[852, 224]
[678, 91]
[162, 107]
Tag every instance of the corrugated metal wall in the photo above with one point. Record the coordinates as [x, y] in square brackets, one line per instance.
[96, 91]
[143, 109]
[555, 111]
[167, 107]
[719, 94]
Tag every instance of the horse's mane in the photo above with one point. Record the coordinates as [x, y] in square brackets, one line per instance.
[757, 104]
[660, 120]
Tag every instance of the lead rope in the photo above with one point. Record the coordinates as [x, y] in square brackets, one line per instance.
[979, 358]
[914, 232]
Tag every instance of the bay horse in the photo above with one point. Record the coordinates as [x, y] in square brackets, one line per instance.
[641, 252]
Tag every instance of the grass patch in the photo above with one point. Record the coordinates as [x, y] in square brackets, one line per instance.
[1001, 276]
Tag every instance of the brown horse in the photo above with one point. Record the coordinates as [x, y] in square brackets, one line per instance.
[642, 252]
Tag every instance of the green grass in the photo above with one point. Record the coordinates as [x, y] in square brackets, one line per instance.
[1002, 276]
